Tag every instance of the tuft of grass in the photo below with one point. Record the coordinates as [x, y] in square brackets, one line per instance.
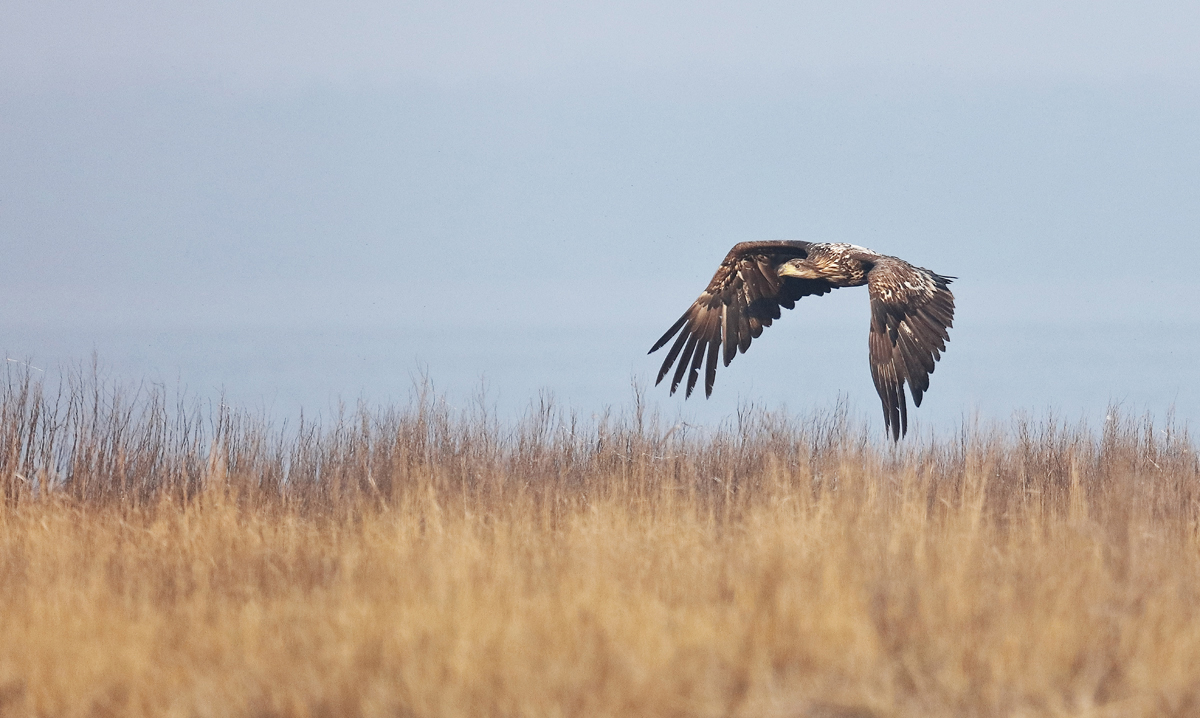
[159, 558]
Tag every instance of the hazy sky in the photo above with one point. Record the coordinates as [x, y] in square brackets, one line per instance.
[210, 191]
[280, 46]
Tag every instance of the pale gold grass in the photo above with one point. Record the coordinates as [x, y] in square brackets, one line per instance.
[423, 562]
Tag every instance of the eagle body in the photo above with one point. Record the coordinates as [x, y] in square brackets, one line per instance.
[842, 265]
[912, 310]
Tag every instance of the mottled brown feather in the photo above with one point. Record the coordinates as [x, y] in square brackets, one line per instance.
[906, 297]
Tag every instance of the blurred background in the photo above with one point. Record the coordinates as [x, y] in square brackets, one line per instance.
[292, 205]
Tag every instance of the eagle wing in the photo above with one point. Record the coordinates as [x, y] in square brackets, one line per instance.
[743, 297]
[911, 310]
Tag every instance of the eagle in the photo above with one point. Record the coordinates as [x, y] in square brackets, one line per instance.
[912, 310]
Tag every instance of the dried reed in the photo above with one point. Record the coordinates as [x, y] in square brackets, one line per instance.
[162, 558]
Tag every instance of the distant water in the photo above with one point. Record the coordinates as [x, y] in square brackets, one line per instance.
[1076, 371]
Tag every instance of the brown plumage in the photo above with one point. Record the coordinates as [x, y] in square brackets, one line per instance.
[911, 310]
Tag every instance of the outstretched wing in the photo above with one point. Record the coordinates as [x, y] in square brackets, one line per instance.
[743, 297]
[911, 311]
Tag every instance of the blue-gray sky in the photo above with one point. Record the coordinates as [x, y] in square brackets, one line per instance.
[298, 201]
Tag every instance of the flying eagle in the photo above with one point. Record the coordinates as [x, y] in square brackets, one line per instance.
[911, 310]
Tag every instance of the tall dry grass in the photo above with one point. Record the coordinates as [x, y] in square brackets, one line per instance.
[160, 558]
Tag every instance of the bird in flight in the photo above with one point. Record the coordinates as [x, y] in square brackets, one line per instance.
[911, 310]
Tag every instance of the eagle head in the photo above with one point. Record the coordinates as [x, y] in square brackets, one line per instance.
[801, 268]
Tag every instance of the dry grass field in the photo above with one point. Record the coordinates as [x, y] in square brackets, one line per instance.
[167, 560]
